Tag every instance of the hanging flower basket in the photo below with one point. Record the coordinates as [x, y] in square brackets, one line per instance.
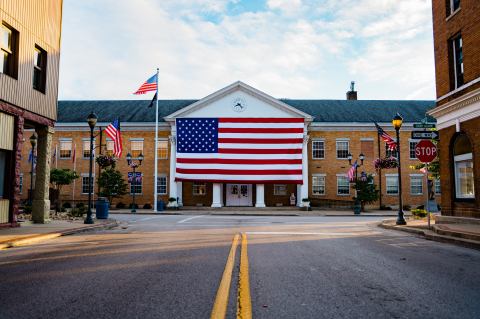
[105, 161]
[385, 163]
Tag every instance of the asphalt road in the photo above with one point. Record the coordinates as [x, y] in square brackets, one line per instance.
[299, 267]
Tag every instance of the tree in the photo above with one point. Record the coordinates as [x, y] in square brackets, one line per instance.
[111, 184]
[60, 178]
[367, 192]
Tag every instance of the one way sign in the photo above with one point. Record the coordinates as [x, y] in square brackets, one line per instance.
[425, 135]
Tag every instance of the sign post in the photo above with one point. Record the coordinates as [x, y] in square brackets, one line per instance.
[426, 151]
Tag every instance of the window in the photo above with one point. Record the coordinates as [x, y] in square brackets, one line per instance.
[162, 185]
[86, 148]
[342, 149]
[412, 150]
[136, 186]
[390, 153]
[3, 172]
[39, 69]
[452, 6]
[199, 188]
[438, 187]
[65, 149]
[392, 184]
[456, 62]
[8, 50]
[136, 147]
[318, 184]
[279, 189]
[463, 167]
[85, 183]
[109, 146]
[21, 183]
[367, 148]
[318, 149]
[343, 185]
[416, 184]
[162, 149]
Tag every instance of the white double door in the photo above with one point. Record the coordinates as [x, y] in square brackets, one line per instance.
[239, 195]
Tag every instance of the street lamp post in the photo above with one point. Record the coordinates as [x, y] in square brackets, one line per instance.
[397, 122]
[33, 142]
[134, 165]
[92, 121]
[361, 157]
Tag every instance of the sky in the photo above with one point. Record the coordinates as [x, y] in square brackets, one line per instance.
[302, 49]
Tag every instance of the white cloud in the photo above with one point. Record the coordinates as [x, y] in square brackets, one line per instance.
[110, 47]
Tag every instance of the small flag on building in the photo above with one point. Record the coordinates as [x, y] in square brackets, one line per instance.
[149, 85]
[351, 172]
[391, 144]
[113, 131]
[32, 156]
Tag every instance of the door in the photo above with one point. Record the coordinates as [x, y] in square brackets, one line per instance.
[239, 195]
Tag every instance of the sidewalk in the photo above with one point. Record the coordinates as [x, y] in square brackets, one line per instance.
[467, 235]
[29, 232]
[252, 211]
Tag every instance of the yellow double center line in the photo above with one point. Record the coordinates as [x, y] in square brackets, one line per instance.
[244, 303]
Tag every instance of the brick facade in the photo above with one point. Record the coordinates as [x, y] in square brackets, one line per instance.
[361, 140]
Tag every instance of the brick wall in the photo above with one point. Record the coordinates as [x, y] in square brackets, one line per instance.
[467, 22]
[451, 206]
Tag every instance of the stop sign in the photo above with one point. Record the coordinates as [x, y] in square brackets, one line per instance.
[425, 151]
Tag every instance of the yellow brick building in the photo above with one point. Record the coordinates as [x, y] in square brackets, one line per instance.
[333, 129]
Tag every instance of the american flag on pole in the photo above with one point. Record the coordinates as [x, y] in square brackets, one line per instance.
[391, 144]
[113, 131]
[255, 150]
[351, 172]
[149, 85]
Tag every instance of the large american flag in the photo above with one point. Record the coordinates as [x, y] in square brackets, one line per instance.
[113, 131]
[391, 144]
[242, 150]
[149, 85]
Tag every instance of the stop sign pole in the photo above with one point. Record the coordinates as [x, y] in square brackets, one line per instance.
[426, 152]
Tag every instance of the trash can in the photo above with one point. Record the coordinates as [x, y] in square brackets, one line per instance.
[160, 206]
[102, 208]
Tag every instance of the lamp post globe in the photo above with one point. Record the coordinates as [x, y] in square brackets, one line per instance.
[397, 122]
[92, 121]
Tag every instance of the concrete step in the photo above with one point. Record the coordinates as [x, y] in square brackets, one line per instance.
[456, 220]
[431, 235]
[471, 232]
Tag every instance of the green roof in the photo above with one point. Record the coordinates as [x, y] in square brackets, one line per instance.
[321, 110]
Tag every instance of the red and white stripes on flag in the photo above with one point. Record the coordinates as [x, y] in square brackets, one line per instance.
[113, 131]
[242, 150]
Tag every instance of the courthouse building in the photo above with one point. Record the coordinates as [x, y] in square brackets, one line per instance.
[329, 131]
[456, 31]
[29, 62]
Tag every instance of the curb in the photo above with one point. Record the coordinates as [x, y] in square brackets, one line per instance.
[431, 235]
[250, 214]
[24, 241]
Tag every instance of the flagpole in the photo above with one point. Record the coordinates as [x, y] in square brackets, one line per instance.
[156, 150]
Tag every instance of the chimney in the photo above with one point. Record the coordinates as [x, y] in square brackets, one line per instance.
[352, 94]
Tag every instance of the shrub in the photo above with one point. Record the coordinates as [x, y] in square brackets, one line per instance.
[67, 205]
[172, 199]
[407, 207]
[120, 205]
[147, 206]
[78, 212]
[80, 205]
[420, 213]
[383, 207]
[27, 209]
[131, 206]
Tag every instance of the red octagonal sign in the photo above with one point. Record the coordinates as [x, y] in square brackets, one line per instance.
[425, 151]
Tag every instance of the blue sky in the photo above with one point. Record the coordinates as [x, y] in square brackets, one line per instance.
[286, 48]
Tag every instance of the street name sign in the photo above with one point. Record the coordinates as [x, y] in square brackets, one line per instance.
[425, 151]
[421, 135]
[424, 125]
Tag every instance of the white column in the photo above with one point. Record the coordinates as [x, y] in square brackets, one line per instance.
[299, 195]
[180, 193]
[304, 186]
[260, 195]
[217, 200]
[173, 157]
[221, 195]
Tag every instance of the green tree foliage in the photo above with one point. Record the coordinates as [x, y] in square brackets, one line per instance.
[60, 178]
[111, 184]
[367, 192]
[433, 168]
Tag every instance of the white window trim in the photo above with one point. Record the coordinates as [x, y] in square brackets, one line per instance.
[136, 139]
[274, 185]
[65, 139]
[130, 187]
[193, 192]
[416, 175]
[386, 188]
[166, 186]
[336, 147]
[163, 140]
[82, 175]
[343, 175]
[86, 140]
[411, 141]
[318, 140]
[324, 184]
[461, 158]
